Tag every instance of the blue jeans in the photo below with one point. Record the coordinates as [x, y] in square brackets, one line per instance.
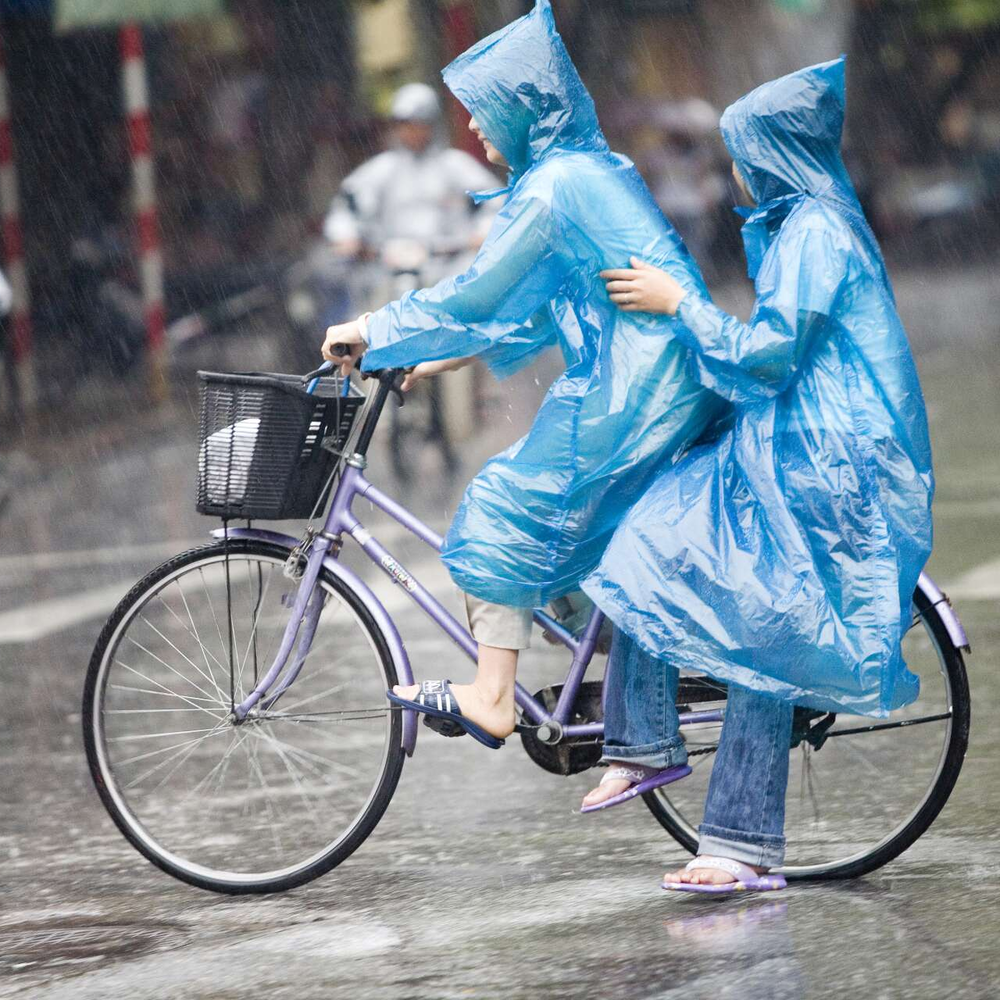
[745, 809]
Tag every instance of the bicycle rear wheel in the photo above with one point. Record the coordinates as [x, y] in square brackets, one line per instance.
[871, 788]
[277, 800]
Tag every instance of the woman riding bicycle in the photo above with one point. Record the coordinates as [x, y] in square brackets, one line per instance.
[537, 518]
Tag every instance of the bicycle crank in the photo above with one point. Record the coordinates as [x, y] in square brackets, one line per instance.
[569, 755]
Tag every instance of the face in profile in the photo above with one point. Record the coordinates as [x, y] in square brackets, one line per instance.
[742, 185]
[492, 153]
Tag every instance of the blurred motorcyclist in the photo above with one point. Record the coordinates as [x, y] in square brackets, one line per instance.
[409, 212]
[416, 190]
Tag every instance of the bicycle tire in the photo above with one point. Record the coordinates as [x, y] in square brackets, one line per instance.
[349, 842]
[940, 790]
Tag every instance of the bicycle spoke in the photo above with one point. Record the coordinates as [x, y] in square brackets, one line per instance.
[228, 756]
[157, 736]
[166, 693]
[173, 670]
[215, 618]
[198, 670]
[306, 756]
[146, 711]
[180, 763]
[192, 631]
[873, 770]
[174, 694]
[314, 697]
[155, 753]
[322, 647]
[348, 715]
[184, 752]
[197, 636]
[256, 618]
[271, 808]
[294, 775]
[221, 763]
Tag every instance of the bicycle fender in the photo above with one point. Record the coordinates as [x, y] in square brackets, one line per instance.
[374, 606]
[939, 599]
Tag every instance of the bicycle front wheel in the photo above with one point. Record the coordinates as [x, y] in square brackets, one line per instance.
[270, 803]
[864, 794]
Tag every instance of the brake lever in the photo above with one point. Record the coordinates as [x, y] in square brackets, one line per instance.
[392, 378]
[327, 368]
[395, 385]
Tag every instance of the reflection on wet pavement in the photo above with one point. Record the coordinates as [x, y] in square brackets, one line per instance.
[481, 880]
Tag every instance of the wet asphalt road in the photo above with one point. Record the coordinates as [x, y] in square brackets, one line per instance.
[481, 880]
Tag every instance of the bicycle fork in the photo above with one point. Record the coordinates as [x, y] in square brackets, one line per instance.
[302, 623]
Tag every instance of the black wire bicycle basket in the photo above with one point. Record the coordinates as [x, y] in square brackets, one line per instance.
[268, 447]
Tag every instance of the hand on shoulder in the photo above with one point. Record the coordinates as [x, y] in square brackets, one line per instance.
[643, 288]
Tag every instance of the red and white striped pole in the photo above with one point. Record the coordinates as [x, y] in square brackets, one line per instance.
[144, 201]
[458, 29]
[13, 245]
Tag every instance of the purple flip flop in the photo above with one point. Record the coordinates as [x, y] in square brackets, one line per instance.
[747, 880]
[645, 778]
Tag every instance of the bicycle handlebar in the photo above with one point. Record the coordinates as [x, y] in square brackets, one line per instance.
[328, 366]
[324, 369]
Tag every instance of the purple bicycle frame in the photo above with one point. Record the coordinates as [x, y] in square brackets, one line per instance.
[305, 612]
[323, 554]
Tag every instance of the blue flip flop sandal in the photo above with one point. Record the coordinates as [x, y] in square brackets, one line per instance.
[746, 879]
[442, 714]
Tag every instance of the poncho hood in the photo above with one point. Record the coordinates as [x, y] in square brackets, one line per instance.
[524, 91]
[785, 136]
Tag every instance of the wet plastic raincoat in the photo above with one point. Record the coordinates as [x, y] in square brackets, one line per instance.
[784, 557]
[537, 517]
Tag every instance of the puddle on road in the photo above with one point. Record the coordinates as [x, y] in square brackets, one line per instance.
[40, 944]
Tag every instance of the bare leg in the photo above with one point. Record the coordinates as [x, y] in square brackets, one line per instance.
[489, 700]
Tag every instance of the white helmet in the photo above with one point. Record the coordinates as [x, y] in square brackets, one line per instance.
[415, 102]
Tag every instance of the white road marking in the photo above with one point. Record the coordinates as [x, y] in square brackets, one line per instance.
[31, 622]
[107, 556]
[112, 555]
[42, 618]
[980, 584]
[39, 619]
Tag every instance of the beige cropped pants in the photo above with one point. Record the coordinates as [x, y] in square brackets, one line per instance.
[497, 624]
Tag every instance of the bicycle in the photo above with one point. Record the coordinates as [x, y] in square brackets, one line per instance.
[242, 769]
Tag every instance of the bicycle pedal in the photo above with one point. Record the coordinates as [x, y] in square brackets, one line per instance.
[446, 727]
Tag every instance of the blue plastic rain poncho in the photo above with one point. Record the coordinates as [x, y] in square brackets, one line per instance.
[784, 557]
[537, 517]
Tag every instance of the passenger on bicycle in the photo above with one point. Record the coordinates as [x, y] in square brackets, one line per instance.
[537, 517]
[781, 558]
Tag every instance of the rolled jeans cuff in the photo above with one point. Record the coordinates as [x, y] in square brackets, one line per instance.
[666, 753]
[761, 849]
